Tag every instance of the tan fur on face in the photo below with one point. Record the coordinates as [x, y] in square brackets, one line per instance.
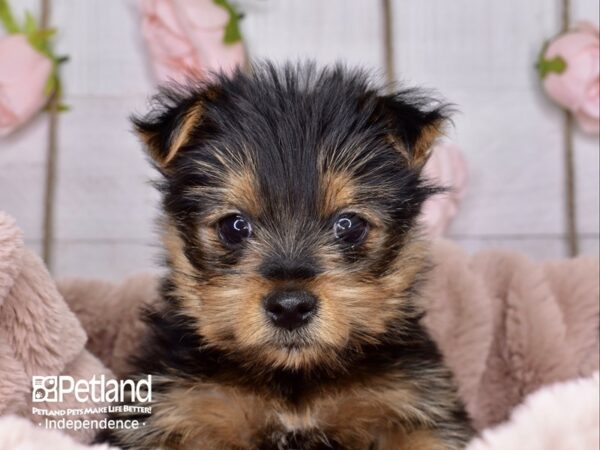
[230, 315]
[229, 309]
[337, 190]
[364, 307]
[242, 190]
[233, 186]
[354, 308]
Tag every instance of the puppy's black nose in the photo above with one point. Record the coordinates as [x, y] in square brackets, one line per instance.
[290, 309]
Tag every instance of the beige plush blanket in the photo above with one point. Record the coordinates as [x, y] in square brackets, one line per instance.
[506, 325]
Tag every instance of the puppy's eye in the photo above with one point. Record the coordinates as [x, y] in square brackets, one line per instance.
[350, 228]
[234, 229]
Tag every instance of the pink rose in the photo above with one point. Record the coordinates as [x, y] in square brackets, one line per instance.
[186, 39]
[571, 72]
[446, 167]
[23, 75]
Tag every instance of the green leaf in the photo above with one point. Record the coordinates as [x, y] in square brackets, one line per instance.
[46, 34]
[40, 40]
[51, 84]
[545, 66]
[554, 65]
[232, 29]
[30, 24]
[7, 19]
[61, 107]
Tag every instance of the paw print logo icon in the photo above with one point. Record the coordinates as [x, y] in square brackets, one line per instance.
[44, 389]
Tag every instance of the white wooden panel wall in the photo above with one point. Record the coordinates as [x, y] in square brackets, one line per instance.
[479, 55]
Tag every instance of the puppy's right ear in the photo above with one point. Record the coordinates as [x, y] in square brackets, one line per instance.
[415, 122]
[168, 127]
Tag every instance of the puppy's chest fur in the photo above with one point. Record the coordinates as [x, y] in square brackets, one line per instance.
[206, 415]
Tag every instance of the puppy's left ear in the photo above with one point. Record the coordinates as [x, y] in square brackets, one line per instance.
[169, 126]
[415, 122]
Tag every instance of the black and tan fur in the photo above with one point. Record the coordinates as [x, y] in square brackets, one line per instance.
[291, 149]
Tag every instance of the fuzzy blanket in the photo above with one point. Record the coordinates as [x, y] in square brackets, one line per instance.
[507, 326]
[557, 417]
[39, 334]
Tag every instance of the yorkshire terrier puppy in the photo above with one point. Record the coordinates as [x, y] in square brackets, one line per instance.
[291, 316]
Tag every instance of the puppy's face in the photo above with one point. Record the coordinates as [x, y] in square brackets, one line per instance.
[290, 200]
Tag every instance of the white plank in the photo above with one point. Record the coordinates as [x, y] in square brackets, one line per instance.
[466, 43]
[108, 260]
[585, 10]
[105, 207]
[539, 248]
[481, 56]
[22, 175]
[587, 166]
[104, 43]
[590, 246]
[103, 189]
[515, 182]
[325, 31]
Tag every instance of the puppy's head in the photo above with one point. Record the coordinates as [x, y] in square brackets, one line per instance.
[290, 197]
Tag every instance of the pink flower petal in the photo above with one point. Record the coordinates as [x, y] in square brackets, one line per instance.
[445, 167]
[591, 102]
[578, 87]
[203, 14]
[23, 76]
[588, 124]
[185, 39]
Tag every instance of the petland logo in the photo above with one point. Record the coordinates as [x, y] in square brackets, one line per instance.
[99, 390]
